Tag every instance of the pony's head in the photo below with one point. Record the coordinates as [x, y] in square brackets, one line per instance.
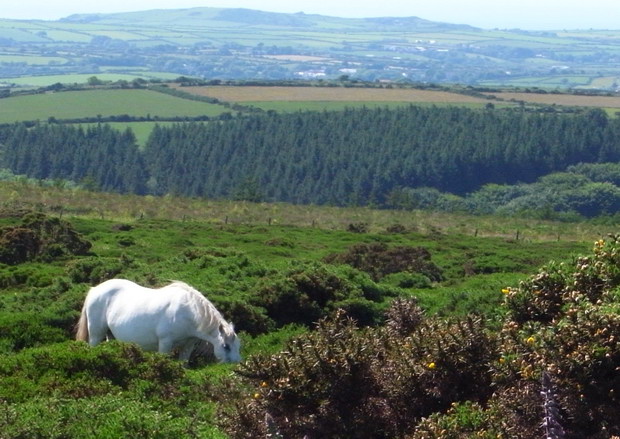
[226, 347]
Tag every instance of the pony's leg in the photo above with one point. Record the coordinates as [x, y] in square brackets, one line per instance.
[186, 351]
[165, 345]
[97, 330]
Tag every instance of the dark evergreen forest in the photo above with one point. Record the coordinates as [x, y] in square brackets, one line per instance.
[99, 157]
[357, 156]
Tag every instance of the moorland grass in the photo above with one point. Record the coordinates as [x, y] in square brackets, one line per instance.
[249, 240]
[236, 253]
[86, 204]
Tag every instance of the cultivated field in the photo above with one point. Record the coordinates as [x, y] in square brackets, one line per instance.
[331, 94]
[562, 99]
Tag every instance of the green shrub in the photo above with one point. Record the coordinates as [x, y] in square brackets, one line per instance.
[106, 416]
[365, 312]
[408, 280]
[27, 329]
[358, 227]
[309, 292]
[379, 260]
[246, 317]
[94, 270]
[75, 370]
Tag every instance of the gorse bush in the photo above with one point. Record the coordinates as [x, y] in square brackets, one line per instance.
[551, 371]
[379, 260]
[94, 270]
[308, 292]
[340, 381]
[40, 238]
[576, 341]
[557, 371]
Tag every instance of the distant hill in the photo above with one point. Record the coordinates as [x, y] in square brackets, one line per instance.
[247, 44]
[261, 18]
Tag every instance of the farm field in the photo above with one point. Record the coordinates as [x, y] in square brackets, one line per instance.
[294, 106]
[108, 75]
[330, 94]
[79, 104]
[562, 99]
[142, 130]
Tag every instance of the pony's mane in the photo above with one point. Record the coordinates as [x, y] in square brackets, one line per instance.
[210, 316]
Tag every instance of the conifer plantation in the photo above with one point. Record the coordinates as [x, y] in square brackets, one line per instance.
[353, 157]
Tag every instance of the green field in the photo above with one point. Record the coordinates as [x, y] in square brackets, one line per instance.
[107, 75]
[71, 105]
[142, 130]
[33, 60]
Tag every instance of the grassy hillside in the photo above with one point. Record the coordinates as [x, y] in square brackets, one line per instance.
[242, 262]
[231, 251]
[82, 203]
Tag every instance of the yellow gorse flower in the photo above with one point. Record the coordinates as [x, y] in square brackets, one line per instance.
[431, 365]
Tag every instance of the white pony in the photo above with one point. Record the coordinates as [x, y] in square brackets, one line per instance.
[173, 317]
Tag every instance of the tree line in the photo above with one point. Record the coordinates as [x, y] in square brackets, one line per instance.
[351, 157]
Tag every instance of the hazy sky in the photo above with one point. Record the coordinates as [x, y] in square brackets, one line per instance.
[524, 14]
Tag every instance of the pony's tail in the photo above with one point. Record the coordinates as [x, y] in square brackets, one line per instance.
[81, 333]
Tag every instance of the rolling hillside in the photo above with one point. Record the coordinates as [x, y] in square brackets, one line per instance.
[217, 43]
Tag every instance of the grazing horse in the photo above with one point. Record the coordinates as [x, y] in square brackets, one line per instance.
[173, 317]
